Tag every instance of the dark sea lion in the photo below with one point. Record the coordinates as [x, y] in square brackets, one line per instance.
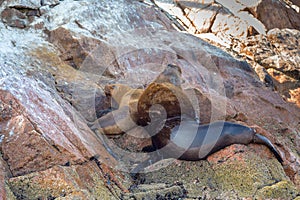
[191, 141]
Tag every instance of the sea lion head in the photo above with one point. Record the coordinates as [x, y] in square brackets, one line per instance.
[171, 74]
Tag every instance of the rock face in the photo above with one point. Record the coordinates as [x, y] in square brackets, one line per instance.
[64, 182]
[276, 14]
[234, 19]
[58, 138]
[73, 50]
[276, 59]
[59, 57]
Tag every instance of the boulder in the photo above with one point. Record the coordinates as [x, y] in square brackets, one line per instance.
[45, 141]
[14, 18]
[277, 14]
[76, 50]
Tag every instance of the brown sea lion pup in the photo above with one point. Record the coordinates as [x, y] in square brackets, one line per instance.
[115, 122]
[165, 91]
[125, 100]
[191, 141]
[116, 92]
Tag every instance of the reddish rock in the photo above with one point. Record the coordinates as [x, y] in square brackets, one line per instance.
[232, 152]
[86, 97]
[85, 53]
[151, 60]
[43, 141]
[230, 85]
[39, 26]
[134, 140]
[14, 18]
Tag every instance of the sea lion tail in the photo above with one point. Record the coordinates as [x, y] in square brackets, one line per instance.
[260, 139]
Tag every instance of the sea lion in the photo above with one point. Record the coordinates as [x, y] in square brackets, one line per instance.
[117, 92]
[165, 91]
[171, 74]
[170, 98]
[131, 106]
[115, 122]
[191, 141]
[124, 118]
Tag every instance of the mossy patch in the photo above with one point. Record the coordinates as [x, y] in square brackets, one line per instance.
[9, 194]
[36, 185]
[54, 64]
[156, 191]
[246, 174]
[241, 175]
[100, 190]
[62, 182]
[281, 190]
[197, 179]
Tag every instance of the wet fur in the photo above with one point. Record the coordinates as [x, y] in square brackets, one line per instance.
[231, 133]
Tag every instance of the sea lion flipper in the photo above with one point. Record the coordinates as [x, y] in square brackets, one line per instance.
[260, 139]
